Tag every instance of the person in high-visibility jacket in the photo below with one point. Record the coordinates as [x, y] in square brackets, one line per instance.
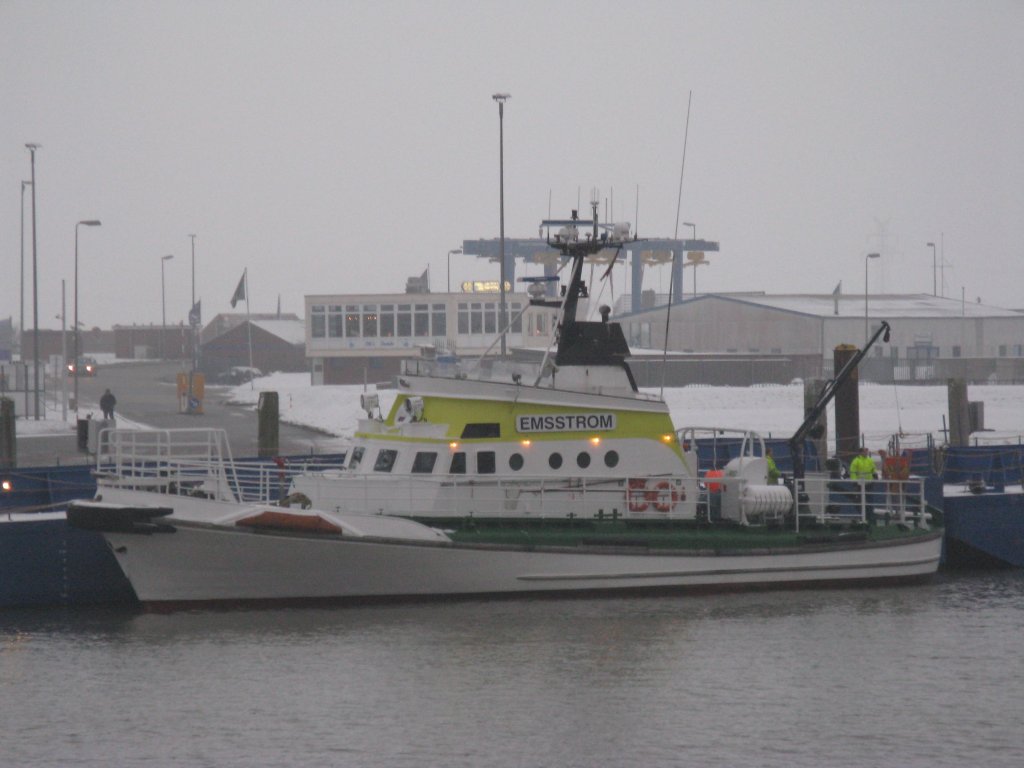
[862, 467]
[773, 473]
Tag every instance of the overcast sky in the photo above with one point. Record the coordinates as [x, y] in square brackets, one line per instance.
[343, 146]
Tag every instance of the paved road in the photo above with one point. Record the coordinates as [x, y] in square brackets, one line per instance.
[147, 393]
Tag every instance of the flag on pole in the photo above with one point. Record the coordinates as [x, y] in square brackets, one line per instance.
[838, 289]
[239, 292]
[195, 315]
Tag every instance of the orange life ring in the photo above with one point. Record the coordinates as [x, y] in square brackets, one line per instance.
[662, 503]
[637, 494]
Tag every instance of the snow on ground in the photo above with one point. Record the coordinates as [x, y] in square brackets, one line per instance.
[775, 410]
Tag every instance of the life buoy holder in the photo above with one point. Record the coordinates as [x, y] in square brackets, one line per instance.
[637, 494]
[665, 496]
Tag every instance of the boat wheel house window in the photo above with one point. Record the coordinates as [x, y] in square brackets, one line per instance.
[481, 429]
[385, 460]
[424, 462]
[357, 456]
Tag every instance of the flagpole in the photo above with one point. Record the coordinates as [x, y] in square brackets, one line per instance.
[248, 325]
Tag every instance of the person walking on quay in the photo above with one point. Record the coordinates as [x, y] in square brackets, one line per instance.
[107, 403]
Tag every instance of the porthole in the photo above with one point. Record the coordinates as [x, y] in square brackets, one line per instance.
[555, 460]
[515, 461]
[583, 459]
[611, 459]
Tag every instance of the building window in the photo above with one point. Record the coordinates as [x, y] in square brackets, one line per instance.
[424, 462]
[421, 320]
[438, 320]
[463, 327]
[517, 318]
[318, 321]
[370, 321]
[387, 321]
[352, 320]
[485, 463]
[1002, 350]
[956, 350]
[335, 321]
[476, 317]
[385, 460]
[490, 318]
[405, 319]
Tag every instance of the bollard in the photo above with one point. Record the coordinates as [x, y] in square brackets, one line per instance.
[267, 414]
[8, 441]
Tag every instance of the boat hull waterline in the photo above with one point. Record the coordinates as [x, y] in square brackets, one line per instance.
[201, 563]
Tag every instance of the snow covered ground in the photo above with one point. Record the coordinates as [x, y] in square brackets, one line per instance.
[775, 410]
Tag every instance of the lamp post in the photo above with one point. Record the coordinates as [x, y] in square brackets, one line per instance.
[455, 250]
[35, 285]
[935, 287]
[692, 226]
[192, 306]
[21, 328]
[86, 223]
[163, 304]
[866, 259]
[501, 98]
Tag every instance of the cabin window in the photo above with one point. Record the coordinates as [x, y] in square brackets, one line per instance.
[485, 463]
[515, 462]
[424, 462]
[438, 320]
[555, 460]
[611, 459]
[385, 460]
[582, 459]
[357, 456]
[481, 430]
[318, 321]
[458, 466]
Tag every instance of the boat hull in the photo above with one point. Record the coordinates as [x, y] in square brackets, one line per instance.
[201, 563]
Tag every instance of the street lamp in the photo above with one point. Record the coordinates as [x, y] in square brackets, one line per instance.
[86, 223]
[866, 258]
[195, 347]
[935, 287]
[163, 304]
[21, 328]
[691, 226]
[501, 98]
[455, 250]
[35, 284]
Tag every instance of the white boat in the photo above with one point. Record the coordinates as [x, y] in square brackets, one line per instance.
[559, 479]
